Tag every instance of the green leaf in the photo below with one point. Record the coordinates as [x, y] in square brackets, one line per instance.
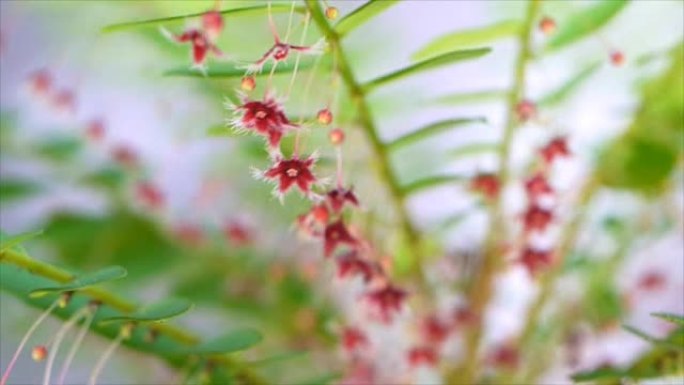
[674, 318]
[82, 281]
[598, 374]
[468, 38]
[563, 92]
[106, 178]
[59, 149]
[430, 130]
[15, 189]
[584, 22]
[278, 358]
[431, 182]
[236, 70]
[234, 341]
[362, 14]
[7, 243]
[426, 65]
[472, 97]
[473, 149]
[160, 311]
[636, 163]
[255, 10]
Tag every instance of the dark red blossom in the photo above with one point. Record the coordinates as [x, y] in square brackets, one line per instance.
[125, 156]
[422, 355]
[353, 339]
[534, 260]
[351, 265]
[651, 280]
[556, 148]
[463, 316]
[292, 171]
[212, 22]
[40, 82]
[280, 51]
[237, 233]
[505, 356]
[526, 110]
[95, 130]
[537, 186]
[202, 45]
[266, 118]
[336, 234]
[149, 195]
[537, 218]
[339, 197]
[486, 184]
[386, 301]
[434, 330]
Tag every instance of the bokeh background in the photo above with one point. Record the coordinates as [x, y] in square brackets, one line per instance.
[221, 239]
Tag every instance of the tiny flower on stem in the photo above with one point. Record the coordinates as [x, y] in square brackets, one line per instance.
[617, 58]
[537, 186]
[353, 339]
[339, 197]
[64, 101]
[486, 184]
[422, 355]
[293, 171]
[201, 44]
[351, 265]
[537, 218]
[324, 116]
[463, 316]
[95, 130]
[547, 25]
[39, 353]
[534, 260]
[386, 301]
[651, 281]
[212, 22]
[237, 234]
[149, 195]
[526, 110]
[434, 330]
[266, 118]
[556, 148]
[336, 234]
[505, 356]
[248, 83]
[336, 137]
[125, 156]
[40, 82]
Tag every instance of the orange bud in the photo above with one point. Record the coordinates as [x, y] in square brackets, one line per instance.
[617, 58]
[336, 136]
[248, 83]
[324, 116]
[39, 353]
[331, 13]
[547, 25]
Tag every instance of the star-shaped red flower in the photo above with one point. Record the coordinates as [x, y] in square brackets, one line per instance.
[264, 117]
[486, 184]
[350, 265]
[537, 186]
[336, 234]
[338, 197]
[556, 148]
[386, 301]
[534, 260]
[537, 218]
[293, 171]
[422, 355]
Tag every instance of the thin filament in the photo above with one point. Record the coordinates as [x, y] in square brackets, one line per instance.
[24, 340]
[289, 22]
[272, 25]
[340, 178]
[77, 343]
[58, 341]
[307, 88]
[299, 55]
[105, 357]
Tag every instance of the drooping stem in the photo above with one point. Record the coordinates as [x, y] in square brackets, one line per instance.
[59, 336]
[365, 119]
[74, 347]
[481, 291]
[24, 340]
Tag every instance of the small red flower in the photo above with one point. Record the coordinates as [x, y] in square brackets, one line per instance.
[125, 156]
[95, 130]
[313, 222]
[434, 330]
[537, 186]
[149, 195]
[556, 148]
[339, 197]
[202, 45]
[350, 265]
[64, 101]
[386, 301]
[40, 82]
[617, 58]
[537, 218]
[237, 234]
[266, 118]
[534, 260]
[422, 355]
[292, 171]
[463, 316]
[212, 22]
[486, 184]
[526, 110]
[505, 356]
[652, 280]
[336, 234]
[353, 339]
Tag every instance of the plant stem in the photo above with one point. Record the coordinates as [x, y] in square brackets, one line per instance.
[370, 130]
[481, 290]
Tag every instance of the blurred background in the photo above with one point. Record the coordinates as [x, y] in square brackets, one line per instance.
[127, 161]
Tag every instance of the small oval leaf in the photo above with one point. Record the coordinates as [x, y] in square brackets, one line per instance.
[234, 341]
[156, 312]
[563, 92]
[432, 129]
[82, 281]
[474, 149]
[430, 182]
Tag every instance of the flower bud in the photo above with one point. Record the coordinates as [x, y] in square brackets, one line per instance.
[324, 116]
[336, 136]
[525, 110]
[39, 353]
[617, 58]
[248, 83]
[547, 25]
[331, 13]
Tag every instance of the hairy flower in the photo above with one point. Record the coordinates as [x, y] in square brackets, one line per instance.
[556, 148]
[434, 330]
[201, 44]
[266, 118]
[351, 265]
[336, 234]
[386, 301]
[486, 184]
[339, 197]
[422, 355]
[534, 260]
[281, 51]
[212, 22]
[293, 171]
[537, 186]
[537, 218]
[353, 339]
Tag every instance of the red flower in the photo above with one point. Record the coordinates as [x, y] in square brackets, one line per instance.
[547, 25]
[292, 171]
[338, 197]
[434, 330]
[422, 355]
[353, 339]
[350, 264]
[534, 260]
[314, 221]
[617, 58]
[463, 316]
[95, 130]
[336, 234]
[237, 233]
[556, 148]
[537, 218]
[486, 184]
[652, 280]
[280, 51]
[212, 22]
[202, 45]
[64, 101]
[386, 301]
[125, 156]
[505, 356]
[537, 186]
[526, 110]
[150, 195]
[266, 118]
[40, 82]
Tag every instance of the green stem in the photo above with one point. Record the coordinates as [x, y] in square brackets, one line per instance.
[384, 168]
[122, 305]
[481, 290]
